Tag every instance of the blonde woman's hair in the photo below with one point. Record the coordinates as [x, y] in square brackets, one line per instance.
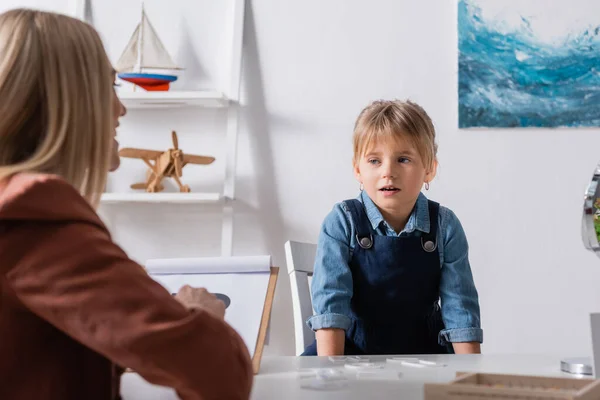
[55, 99]
[394, 119]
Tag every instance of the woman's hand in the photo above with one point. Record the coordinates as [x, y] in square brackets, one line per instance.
[202, 299]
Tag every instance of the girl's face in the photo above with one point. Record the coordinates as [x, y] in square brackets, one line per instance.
[392, 173]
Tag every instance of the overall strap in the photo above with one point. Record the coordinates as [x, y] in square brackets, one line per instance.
[429, 240]
[364, 231]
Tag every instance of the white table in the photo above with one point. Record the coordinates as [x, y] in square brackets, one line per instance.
[278, 377]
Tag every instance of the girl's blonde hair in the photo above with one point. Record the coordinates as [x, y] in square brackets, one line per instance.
[393, 119]
[55, 99]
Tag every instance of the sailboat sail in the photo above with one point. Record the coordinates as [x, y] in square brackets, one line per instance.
[129, 57]
[153, 53]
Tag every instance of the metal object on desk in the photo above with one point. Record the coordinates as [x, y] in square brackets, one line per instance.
[590, 224]
[577, 366]
[590, 234]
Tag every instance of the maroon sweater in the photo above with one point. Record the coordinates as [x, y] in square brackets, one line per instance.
[74, 307]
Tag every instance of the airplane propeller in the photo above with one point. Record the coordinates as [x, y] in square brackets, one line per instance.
[177, 160]
[175, 141]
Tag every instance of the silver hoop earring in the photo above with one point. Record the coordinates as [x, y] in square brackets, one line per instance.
[426, 185]
[361, 187]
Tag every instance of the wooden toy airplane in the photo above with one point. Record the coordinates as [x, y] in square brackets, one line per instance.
[167, 164]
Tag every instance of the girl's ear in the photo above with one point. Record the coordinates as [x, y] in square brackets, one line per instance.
[430, 174]
[357, 172]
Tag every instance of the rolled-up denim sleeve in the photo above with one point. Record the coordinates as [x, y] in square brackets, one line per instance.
[459, 298]
[331, 284]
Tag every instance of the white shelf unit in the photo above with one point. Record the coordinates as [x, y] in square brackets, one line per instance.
[163, 101]
[171, 99]
[172, 198]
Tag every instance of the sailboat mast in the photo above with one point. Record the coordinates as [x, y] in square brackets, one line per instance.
[140, 46]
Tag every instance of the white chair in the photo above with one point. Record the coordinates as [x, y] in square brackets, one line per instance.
[300, 258]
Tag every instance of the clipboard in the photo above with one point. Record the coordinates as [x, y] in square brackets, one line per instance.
[266, 318]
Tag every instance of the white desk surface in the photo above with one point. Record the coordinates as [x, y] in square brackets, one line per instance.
[278, 377]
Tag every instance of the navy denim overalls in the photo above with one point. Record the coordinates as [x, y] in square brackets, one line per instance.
[396, 282]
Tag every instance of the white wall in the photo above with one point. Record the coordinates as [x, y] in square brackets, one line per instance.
[309, 67]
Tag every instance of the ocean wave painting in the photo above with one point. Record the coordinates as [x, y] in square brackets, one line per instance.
[528, 63]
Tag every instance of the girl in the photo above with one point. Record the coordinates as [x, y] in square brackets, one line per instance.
[386, 259]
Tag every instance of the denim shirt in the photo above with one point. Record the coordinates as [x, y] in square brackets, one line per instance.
[332, 279]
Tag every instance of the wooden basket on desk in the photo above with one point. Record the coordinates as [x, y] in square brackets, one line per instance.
[479, 386]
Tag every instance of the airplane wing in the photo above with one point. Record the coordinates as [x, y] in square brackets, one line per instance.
[139, 153]
[191, 159]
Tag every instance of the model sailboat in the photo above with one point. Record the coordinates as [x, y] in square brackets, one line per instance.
[143, 54]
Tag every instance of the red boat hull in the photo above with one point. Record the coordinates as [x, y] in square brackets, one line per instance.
[150, 84]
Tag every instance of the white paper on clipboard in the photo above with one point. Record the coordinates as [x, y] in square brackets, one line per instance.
[208, 265]
[243, 280]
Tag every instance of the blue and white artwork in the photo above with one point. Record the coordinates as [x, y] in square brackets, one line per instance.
[529, 63]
